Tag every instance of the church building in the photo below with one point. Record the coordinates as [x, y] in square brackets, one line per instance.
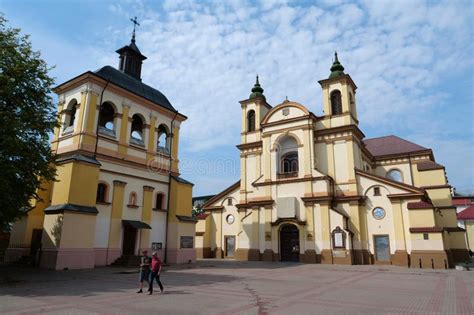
[117, 190]
[312, 189]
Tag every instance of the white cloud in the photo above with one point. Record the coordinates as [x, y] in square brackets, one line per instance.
[204, 57]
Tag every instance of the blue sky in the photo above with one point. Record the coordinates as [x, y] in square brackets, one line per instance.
[411, 60]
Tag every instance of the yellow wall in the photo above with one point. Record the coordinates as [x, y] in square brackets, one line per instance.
[76, 184]
[469, 224]
[421, 218]
[180, 204]
[78, 230]
[146, 216]
[116, 221]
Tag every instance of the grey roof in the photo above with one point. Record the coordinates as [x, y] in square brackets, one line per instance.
[133, 47]
[136, 224]
[70, 207]
[185, 218]
[181, 180]
[78, 157]
[135, 86]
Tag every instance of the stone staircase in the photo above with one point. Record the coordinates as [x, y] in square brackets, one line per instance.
[127, 261]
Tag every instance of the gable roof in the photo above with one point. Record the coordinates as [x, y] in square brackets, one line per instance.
[390, 145]
[221, 194]
[467, 214]
[390, 182]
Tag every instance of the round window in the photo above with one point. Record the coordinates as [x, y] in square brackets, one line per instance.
[230, 219]
[378, 213]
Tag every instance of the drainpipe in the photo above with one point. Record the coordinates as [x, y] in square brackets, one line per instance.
[98, 117]
[169, 187]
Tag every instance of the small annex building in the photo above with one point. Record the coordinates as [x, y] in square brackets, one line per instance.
[312, 189]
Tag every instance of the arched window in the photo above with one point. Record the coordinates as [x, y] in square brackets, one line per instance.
[70, 115]
[101, 192]
[395, 175]
[289, 162]
[132, 200]
[336, 102]
[137, 129]
[251, 121]
[163, 144]
[288, 157]
[106, 117]
[159, 201]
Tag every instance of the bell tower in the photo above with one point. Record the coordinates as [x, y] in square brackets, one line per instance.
[339, 90]
[253, 110]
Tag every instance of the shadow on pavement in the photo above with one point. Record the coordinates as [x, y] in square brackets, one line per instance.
[34, 282]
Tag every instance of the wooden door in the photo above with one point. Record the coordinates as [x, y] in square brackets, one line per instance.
[289, 243]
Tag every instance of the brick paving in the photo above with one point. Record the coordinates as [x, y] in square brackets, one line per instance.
[230, 287]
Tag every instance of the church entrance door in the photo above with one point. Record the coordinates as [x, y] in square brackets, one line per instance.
[289, 243]
[129, 238]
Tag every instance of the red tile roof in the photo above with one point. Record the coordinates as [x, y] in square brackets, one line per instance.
[462, 201]
[419, 205]
[391, 145]
[467, 214]
[428, 165]
[202, 216]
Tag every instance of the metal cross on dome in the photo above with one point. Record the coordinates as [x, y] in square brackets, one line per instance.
[135, 23]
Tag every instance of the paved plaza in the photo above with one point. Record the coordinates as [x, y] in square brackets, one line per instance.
[229, 287]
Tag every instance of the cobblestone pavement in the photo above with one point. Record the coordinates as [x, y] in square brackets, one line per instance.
[229, 287]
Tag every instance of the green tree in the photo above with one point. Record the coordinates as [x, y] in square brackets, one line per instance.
[27, 118]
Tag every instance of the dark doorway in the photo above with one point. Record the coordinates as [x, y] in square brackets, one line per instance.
[289, 243]
[129, 238]
[35, 241]
[229, 246]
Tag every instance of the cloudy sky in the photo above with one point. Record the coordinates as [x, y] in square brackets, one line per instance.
[411, 60]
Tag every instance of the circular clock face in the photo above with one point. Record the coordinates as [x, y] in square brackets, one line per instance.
[378, 213]
[230, 219]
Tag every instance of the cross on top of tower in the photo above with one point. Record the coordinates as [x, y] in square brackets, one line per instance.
[135, 23]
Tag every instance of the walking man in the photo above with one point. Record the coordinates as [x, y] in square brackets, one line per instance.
[155, 273]
[144, 269]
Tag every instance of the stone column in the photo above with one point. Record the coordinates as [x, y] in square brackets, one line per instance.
[146, 217]
[115, 230]
[326, 251]
[123, 136]
[400, 257]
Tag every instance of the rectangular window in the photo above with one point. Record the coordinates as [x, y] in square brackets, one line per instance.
[229, 202]
[426, 236]
[377, 191]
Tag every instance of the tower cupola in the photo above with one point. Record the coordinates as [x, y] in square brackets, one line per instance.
[131, 58]
[337, 69]
[257, 90]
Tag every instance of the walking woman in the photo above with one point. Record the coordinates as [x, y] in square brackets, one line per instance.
[155, 273]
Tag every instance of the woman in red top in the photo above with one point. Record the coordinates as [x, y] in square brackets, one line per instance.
[155, 273]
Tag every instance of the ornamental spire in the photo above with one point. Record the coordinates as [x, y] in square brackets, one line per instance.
[257, 90]
[337, 69]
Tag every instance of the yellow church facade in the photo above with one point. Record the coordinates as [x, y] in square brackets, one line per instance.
[117, 190]
[313, 190]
